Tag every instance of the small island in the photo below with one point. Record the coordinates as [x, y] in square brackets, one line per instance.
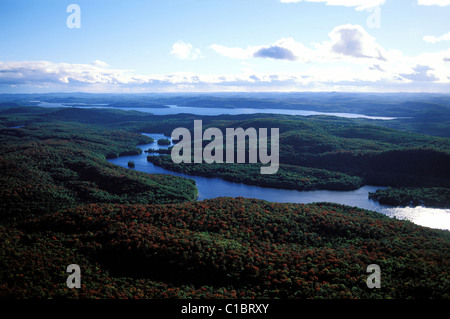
[131, 164]
[159, 151]
[164, 141]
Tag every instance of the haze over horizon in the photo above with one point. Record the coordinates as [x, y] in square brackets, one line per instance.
[217, 46]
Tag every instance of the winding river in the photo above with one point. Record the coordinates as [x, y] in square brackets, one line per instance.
[216, 187]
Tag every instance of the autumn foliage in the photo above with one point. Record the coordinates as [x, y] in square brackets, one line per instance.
[233, 248]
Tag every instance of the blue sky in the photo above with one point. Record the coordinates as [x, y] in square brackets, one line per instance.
[233, 45]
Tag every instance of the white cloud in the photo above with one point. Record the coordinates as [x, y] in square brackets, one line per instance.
[100, 63]
[185, 51]
[233, 53]
[358, 4]
[433, 39]
[421, 73]
[354, 41]
[283, 49]
[441, 3]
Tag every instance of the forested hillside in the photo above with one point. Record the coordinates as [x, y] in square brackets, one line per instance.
[223, 248]
[53, 166]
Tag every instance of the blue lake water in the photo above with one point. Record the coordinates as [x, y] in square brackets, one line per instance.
[174, 109]
[216, 187]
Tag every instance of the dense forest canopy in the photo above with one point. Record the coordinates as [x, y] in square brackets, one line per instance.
[55, 166]
[224, 248]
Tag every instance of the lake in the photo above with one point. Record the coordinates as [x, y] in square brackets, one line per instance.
[174, 109]
[216, 187]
